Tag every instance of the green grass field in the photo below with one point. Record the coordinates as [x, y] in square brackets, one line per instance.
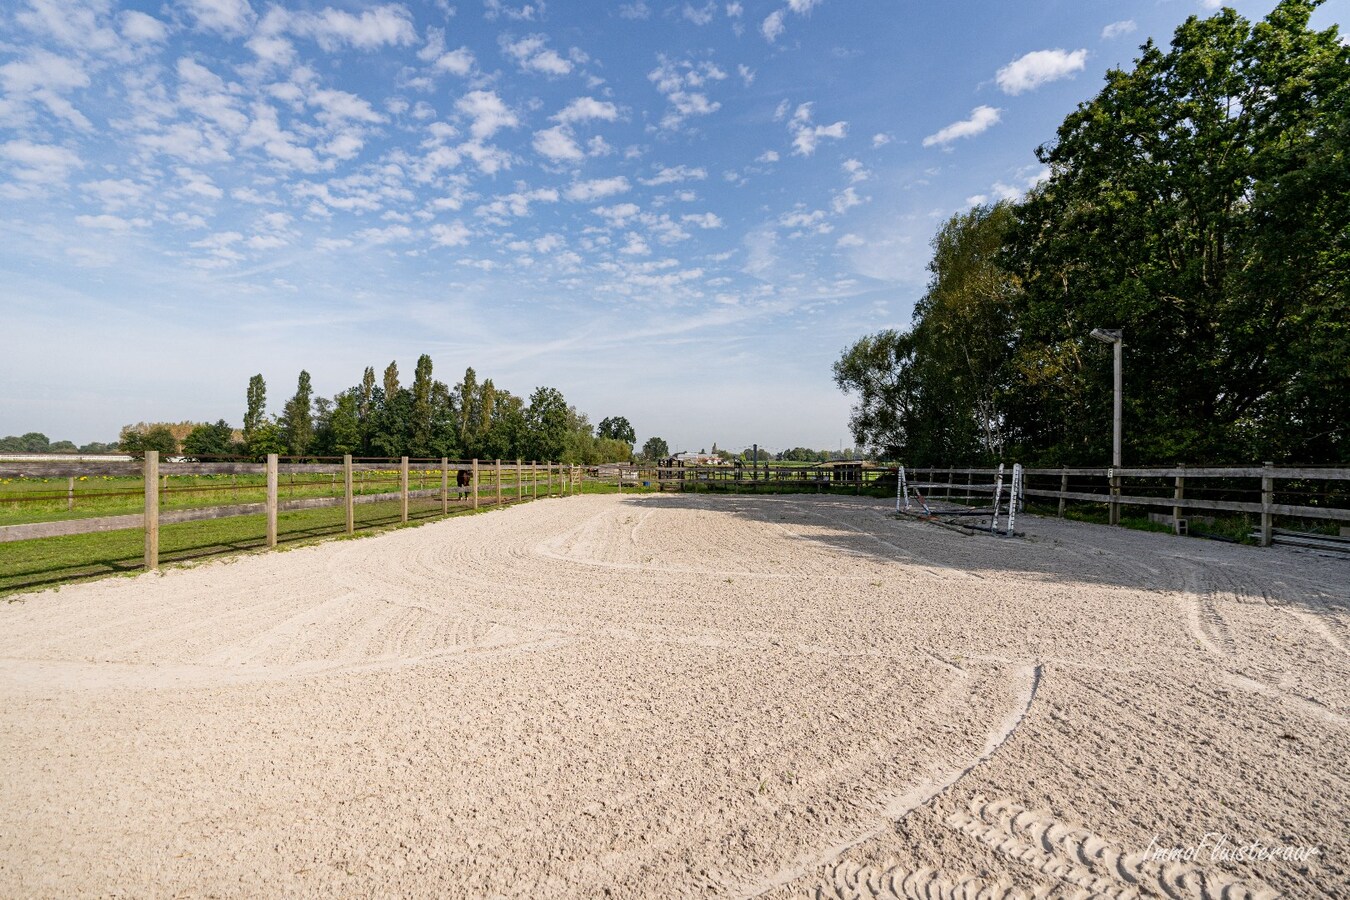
[50, 562]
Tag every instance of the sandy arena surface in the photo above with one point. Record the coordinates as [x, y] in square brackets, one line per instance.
[684, 695]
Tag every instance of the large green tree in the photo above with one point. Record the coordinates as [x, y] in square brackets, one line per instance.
[616, 428]
[548, 420]
[207, 441]
[297, 420]
[1198, 201]
[655, 449]
[934, 394]
[256, 411]
[1201, 202]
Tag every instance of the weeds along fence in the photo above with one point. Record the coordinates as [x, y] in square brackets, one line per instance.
[52, 498]
[1309, 500]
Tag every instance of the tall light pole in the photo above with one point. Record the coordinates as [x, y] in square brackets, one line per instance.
[1116, 337]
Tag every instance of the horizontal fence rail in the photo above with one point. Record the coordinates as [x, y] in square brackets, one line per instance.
[350, 482]
[1318, 493]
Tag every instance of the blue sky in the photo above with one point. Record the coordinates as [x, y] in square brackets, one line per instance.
[676, 212]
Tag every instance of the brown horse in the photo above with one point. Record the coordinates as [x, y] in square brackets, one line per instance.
[462, 480]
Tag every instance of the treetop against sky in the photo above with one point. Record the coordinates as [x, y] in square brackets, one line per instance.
[677, 212]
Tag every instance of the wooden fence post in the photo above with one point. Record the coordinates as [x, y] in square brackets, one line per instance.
[1063, 489]
[151, 510]
[1113, 514]
[403, 488]
[534, 480]
[548, 484]
[70, 493]
[475, 484]
[520, 481]
[619, 479]
[348, 500]
[497, 476]
[271, 500]
[1267, 500]
[445, 486]
[1178, 493]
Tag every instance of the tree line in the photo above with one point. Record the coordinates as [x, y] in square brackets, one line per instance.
[383, 417]
[1201, 202]
[37, 442]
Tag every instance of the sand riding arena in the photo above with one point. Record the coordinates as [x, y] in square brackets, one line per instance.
[687, 695]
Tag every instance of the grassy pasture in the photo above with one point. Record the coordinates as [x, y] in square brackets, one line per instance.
[48, 562]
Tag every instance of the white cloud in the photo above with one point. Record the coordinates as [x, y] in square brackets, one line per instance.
[881, 139]
[557, 144]
[116, 194]
[112, 223]
[618, 214]
[1119, 29]
[597, 189]
[772, 27]
[747, 74]
[526, 12]
[515, 204]
[849, 240]
[761, 257]
[234, 17]
[735, 10]
[675, 174]
[39, 163]
[982, 118]
[452, 235]
[42, 77]
[532, 55]
[636, 246]
[456, 62]
[140, 28]
[488, 112]
[856, 170]
[806, 134]
[373, 28]
[702, 15]
[681, 82]
[584, 109]
[75, 23]
[380, 236]
[703, 220]
[845, 200]
[801, 218]
[1026, 73]
[285, 147]
[636, 11]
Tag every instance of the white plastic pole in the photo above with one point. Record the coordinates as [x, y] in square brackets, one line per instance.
[998, 498]
[1014, 495]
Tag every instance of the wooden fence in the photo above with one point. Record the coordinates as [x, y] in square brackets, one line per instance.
[492, 483]
[1318, 493]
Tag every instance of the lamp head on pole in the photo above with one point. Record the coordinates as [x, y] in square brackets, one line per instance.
[1109, 335]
